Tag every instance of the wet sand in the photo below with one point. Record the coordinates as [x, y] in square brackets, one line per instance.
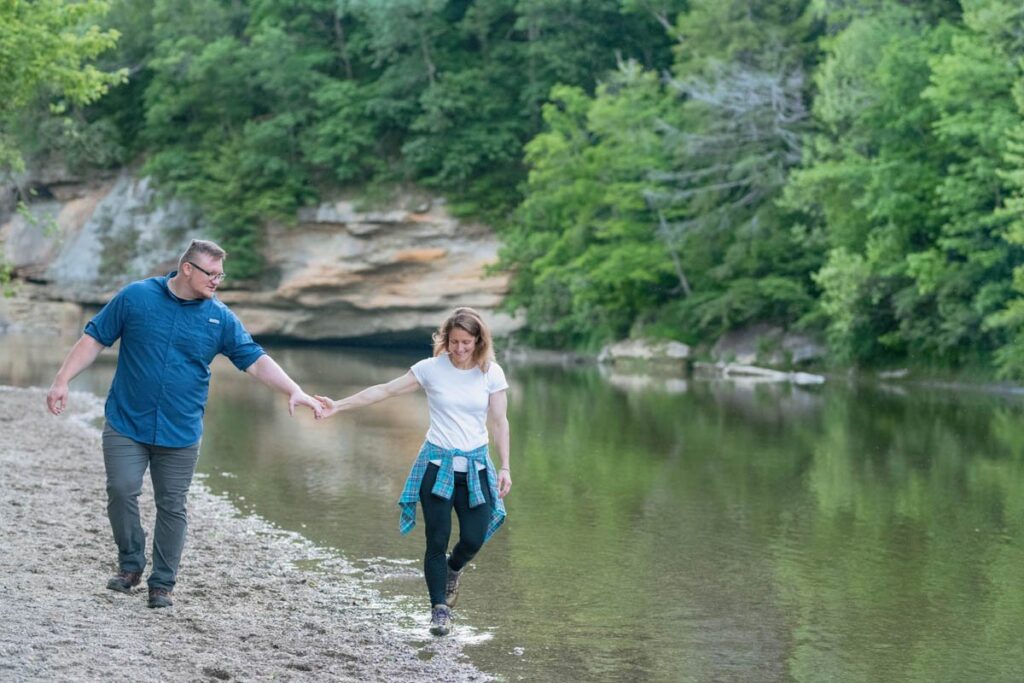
[244, 610]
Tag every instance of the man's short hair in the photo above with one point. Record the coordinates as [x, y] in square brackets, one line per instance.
[206, 247]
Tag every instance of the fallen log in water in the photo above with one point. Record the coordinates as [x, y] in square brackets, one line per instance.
[752, 372]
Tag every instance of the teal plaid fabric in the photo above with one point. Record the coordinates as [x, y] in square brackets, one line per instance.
[445, 484]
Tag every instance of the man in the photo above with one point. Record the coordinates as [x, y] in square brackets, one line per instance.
[170, 330]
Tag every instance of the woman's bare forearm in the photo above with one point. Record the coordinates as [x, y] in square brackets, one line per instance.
[370, 395]
[366, 397]
[500, 435]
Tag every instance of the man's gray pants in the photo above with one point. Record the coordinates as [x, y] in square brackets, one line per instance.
[171, 470]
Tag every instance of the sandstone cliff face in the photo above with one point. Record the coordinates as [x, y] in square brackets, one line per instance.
[340, 273]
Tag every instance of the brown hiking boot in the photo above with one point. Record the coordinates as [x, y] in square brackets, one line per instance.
[159, 597]
[123, 581]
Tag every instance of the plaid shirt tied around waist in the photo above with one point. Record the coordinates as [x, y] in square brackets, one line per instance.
[445, 484]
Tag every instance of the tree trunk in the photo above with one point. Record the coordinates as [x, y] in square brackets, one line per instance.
[425, 49]
[677, 264]
[339, 36]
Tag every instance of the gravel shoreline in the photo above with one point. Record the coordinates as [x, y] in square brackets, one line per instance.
[244, 610]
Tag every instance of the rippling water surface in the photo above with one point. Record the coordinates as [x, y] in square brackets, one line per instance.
[665, 530]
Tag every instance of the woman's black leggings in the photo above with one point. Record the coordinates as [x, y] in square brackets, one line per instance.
[437, 522]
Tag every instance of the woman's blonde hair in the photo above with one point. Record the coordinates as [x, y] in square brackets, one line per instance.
[469, 321]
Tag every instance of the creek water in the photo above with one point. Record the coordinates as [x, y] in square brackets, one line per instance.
[662, 529]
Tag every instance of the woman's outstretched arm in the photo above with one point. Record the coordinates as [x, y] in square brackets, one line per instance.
[405, 384]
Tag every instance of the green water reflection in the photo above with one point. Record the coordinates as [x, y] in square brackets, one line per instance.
[680, 531]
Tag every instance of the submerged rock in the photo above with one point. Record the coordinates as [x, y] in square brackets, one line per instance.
[767, 345]
[650, 350]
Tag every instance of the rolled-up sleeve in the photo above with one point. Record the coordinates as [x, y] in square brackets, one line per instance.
[107, 326]
[237, 344]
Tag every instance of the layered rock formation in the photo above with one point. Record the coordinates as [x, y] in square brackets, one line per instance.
[339, 273]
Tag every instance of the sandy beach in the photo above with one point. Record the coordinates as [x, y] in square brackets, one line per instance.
[245, 607]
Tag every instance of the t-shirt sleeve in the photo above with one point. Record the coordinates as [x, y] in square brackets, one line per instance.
[496, 379]
[237, 344]
[421, 370]
[107, 326]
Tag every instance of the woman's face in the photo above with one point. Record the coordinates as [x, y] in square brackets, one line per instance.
[461, 345]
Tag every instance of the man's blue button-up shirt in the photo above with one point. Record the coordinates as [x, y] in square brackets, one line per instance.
[159, 391]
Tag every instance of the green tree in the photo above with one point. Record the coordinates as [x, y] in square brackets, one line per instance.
[904, 181]
[739, 75]
[1005, 21]
[225, 113]
[46, 53]
[688, 175]
[868, 182]
[252, 109]
[584, 248]
[966, 275]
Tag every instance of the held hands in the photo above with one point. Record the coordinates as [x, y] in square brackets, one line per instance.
[57, 397]
[504, 482]
[301, 398]
[329, 405]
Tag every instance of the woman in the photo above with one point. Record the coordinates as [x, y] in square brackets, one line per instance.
[466, 390]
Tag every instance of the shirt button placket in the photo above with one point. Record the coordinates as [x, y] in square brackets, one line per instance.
[168, 364]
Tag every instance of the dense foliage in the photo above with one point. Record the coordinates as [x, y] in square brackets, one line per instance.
[254, 108]
[46, 49]
[669, 167]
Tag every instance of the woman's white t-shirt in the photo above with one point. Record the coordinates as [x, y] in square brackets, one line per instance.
[457, 401]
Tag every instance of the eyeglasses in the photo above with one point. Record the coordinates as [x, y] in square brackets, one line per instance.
[219, 277]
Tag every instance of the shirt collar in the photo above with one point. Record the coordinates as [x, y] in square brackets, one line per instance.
[165, 285]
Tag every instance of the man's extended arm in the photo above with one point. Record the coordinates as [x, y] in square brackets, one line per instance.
[266, 370]
[81, 356]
